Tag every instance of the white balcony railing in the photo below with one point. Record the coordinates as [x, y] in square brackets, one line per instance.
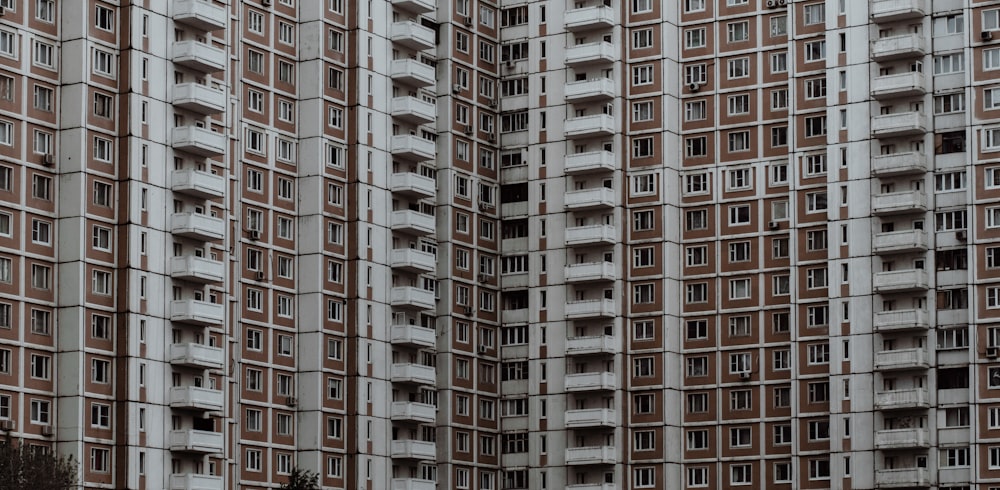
[587, 18]
[198, 183]
[413, 412]
[197, 269]
[197, 355]
[413, 373]
[598, 52]
[901, 438]
[902, 399]
[591, 417]
[412, 484]
[593, 308]
[413, 335]
[199, 56]
[196, 312]
[200, 14]
[412, 72]
[894, 10]
[591, 161]
[412, 147]
[899, 164]
[899, 124]
[599, 381]
[412, 260]
[590, 126]
[413, 222]
[412, 35]
[900, 281]
[595, 197]
[900, 320]
[418, 7]
[591, 455]
[597, 344]
[907, 84]
[900, 241]
[199, 98]
[586, 90]
[196, 441]
[191, 481]
[591, 235]
[413, 110]
[902, 478]
[592, 271]
[410, 296]
[196, 398]
[899, 202]
[897, 47]
[199, 141]
[901, 359]
[412, 184]
[197, 226]
[413, 449]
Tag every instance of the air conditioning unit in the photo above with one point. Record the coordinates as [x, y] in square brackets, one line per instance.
[291, 401]
[260, 275]
[468, 310]
[962, 235]
[483, 349]
[772, 225]
[744, 375]
[3, 10]
[6, 425]
[992, 352]
[986, 36]
[48, 431]
[468, 21]
[510, 63]
[484, 278]
[771, 4]
[266, 3]
[455, 89]
[694, 87]
[49, 160]
[491, 138]
[493, 103]
[255, 234]
[468, 129]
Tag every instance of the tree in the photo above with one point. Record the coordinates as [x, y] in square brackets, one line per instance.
[302, 480]
[24, 468]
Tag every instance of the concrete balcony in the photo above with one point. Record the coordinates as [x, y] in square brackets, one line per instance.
[200, 14]
[413, 335]
[409, 372]
[899, 203]
[413, 449]
[900, 281]
[591, 272]
[894, 242]
[902, 478]
[599, 52]
[197, 269]
[899, 47]
[197, 226]
[412, 184]
[412, 72]
[591, 235]
[196, 441]
[895, 10]
[902, 399]
[901, 359]
[590, 90]
[591, 455]
[908, 84]
[598, 344]
[199, 56]
[196, 398]
[592, 486]
[413, 222]
[192, 481]
[593, 198]
[412, 147]
[519, 315]
[196, 312]
[589, 162]
[901, 320]
[199, 141]
[413, 260]
[597, 125]
[902, 439]
[586, 18]
[199, 356]
[516, 208]
[900, 124]
[416, 6]
[412, 297]
[197, 183]
[412, 484]
[599, 381]
[592, 417]
[413, 110]
[199, 98]
[422, 413]
[412, 35]
[592, 308]
[908, 163]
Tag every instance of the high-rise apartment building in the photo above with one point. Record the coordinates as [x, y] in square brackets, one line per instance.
[511, 244]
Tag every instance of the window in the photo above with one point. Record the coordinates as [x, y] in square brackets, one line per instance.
[641, 6]
[44, 55]
[949, 63]
[286, 33]
[8, 44]
[644, 440]
[642, 478]
[815, 51]
[104, 19]
[781, 360]
[737, 31]
[643, 257]
[642, 75]
[40, 412]
[642, 220]
[643, 330]
[696, 293]
[819, 392]
[103, 149]
[741, 474]
[694, 5]
[255, 62]
[816, 278]
[816, 202]
[696, 183]
[43, 99]
[643, 184]
[41, 366]
[739, 289]
[739, 215]
[779, 26]
[642, 367]
[40, 276]
[694, 111]
[694, 38]
[697, 367]
[695, 74]
[819, 469]
[815, 126]
[642, 38]
[738, 68]
[642, 111]
[814, 14]
[739, 141]
[104, 63]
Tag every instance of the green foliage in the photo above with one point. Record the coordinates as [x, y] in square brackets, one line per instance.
[24, 468]
[302, 480]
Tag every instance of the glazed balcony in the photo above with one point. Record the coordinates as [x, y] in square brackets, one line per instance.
[412, 184]
[519, 315]
[199, 98]
[599, 381]
[197, 269]
[902, 399]
[901, 359]
[591, 272]
[412, 484]
[597, 125]
[412, 147]
[421, 413]
[593, 198]
[196, 441]
[894, 242]
[589, 162]
[599, 52]
[899, 47]
[409, 372]
[413, 449]
[593, 308]
[199, 141]
[902, 478]
[909, 84]
[413, 110]
[412, 72]
[412, 297]
[901, 320]
[196, 312]
[900, 281]
[196, 398]
[195, 355]
[197, 226]
[587, 18]
[591, 455]
[191, 481]
[516, 208]
[412, 35]
[413, 222]
[413, 335]
[590, 90]
[197, 183]
[591, 235]
[200, 14]
[902, 439]
[592, 417]
[597, 344]
[416, 6]
[899, 203]
[413, 260]
[900, 124]
[896, 10]
[908, 163]
[199, 56]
